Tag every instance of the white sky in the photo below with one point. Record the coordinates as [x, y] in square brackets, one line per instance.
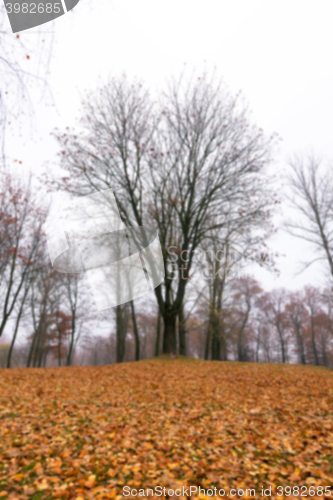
[278, 53]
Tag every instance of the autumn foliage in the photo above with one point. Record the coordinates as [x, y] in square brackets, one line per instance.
[85, 432]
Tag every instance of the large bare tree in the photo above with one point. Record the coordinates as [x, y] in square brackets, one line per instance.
[192, 163]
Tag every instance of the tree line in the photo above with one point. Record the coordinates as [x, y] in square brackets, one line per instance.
[192, 163]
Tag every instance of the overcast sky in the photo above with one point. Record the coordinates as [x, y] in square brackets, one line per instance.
[279, 54]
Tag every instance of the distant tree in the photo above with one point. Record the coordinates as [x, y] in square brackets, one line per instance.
[273, 306]
[21, 220]
[312, 301]
[324, 338]
[312, 197]
[219, 265]
[72, 302]
[298, 317]
[57, 311]
[97, 350]
[60, 331]
[21, 306]
[327, 332]
[246, 291]
[227, 253]
[263, 341]
[43, 312]
[146, 325]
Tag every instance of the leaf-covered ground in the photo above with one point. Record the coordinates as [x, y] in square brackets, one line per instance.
[85, 432]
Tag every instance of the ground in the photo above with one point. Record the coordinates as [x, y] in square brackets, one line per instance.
[86, 432]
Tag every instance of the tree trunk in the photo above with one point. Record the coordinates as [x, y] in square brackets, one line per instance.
[39, 340]
[121, 331]
[71, 345]
[207, 346]
[36, 351]
[182, 332]
[224, 354]
[211, 333]
[59, 347]
[16, 327]
[323, 350]
[240, 345]
[314, 341]
[14, 336]
[169, 338]
[283, 353]
[32, 349]
[136, 333]
[241, 354]
[158, 335]
[119, 348]
[216, 345]
[42, 346]
[301, 348]
[46, 351]
[258, 345]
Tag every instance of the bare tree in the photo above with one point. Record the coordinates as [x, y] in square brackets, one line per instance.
[122, 319]
[324, 338]
[22, 303]
[226, 257]
[57, 312]
[297, 316]
[312, 301]
[266, 338]
[327, 332]
[218, 274]
[192, 165]
[20, 234]
[246, 292]
[71, 285]
[312, 197]
[42, 306]
[273, 307]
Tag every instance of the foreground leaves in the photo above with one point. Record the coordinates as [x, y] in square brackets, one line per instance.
[85, 432]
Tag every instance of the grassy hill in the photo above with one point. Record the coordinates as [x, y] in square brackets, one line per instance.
[86, 432]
